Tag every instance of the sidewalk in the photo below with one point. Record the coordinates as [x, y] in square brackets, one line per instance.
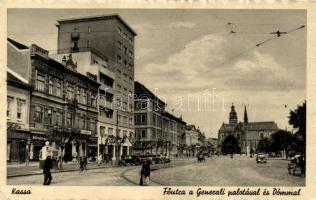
[15, 170]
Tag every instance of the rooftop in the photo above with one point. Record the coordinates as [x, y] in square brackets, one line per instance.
[17, 44]
[96, 18]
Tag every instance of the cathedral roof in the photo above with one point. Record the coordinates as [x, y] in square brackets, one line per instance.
[228, 127]
[262, 126]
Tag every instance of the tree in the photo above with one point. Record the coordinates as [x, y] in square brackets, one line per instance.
[280, 141]
[297, 119]
[230, 144]
[61, 137]
[264, 145]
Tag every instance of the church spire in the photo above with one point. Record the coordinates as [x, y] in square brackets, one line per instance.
[245, 116]
[233, 115]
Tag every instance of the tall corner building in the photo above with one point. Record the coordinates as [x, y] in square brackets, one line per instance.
[111, 36]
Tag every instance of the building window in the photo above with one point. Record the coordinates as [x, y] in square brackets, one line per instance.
[143, 133]
[124, 119]
[40, 82]
[118, 59]
[125, 50]
[70, 92]
[92, 125]
[119, 118]
[119, 30]
[102, 131]
[78, 95]
[38, 114]
[125, 35]
[130, 66]
[50, 87]
[47, 116]
[143, 105]
[130, 121]
[20, 108]
[84, 96]
[130, 39]
[88, 43]
[143, 118]
[110, 131]
[124, 133]
[93, 100]
[89, 29]
[9, 106]
[84, 122]
[58, 119]
[69, 120]
[119, 45]
[58, 88]
[125, 63]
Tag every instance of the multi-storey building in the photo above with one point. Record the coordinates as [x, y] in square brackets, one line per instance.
[192, 140]
[18, 132]
[62, 103]
[111, 36]
[95, 65]
[157, 131]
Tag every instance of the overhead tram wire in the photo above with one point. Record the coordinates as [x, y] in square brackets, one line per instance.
[276, 36]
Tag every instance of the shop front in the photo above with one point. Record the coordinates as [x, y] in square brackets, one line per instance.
[37, 142]
[18, 146]
[92, 148]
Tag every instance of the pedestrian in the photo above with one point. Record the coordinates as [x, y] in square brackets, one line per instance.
[145, 173]
[81, 164]
[85, 162]
[100, 159]
[48, 165]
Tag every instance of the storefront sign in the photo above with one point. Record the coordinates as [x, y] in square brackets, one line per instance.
[85, 132]
[41, 138]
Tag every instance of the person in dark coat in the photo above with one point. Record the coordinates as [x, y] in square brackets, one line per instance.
[85, 163]
[145, 173]
[48, 165]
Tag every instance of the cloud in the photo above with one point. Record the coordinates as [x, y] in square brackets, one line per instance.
[182, 24]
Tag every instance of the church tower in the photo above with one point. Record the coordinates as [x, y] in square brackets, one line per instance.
[245, 116]
[233, 115]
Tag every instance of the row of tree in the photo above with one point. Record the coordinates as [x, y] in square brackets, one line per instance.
[290, 143]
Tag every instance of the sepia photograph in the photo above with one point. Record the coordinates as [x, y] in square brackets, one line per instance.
[156, 97]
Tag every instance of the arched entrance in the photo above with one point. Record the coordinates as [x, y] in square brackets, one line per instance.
[230, 145]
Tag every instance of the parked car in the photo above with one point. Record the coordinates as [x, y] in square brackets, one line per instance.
[130, 160]
[261, 158]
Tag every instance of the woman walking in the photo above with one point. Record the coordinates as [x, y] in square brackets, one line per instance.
[145, 173]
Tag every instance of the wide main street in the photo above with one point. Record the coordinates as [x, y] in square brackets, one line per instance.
[215, 171]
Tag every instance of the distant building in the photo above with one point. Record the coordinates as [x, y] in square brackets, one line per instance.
[157, 131]
[247, 134]
[192, 141]
[18, 131]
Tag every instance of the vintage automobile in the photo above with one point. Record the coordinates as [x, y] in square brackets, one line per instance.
[261, 158]
[130, 160]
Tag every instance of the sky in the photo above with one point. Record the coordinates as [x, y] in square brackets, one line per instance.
[190, 59]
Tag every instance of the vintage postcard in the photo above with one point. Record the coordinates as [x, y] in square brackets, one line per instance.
[136, 101]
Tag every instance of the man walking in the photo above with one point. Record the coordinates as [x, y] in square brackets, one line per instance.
[48, 165]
